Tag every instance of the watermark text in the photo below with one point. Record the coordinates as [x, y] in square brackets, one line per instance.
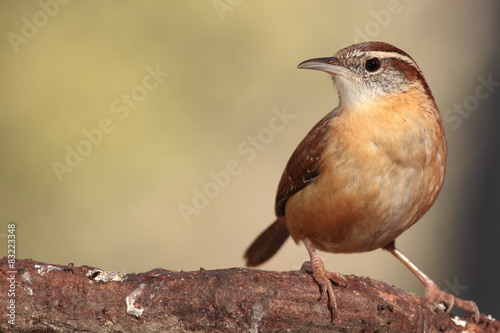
[248, 149]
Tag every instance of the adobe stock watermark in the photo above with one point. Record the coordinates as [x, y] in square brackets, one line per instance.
[11, 273]
[381, 19]
[454, 287]
[30, 28]
[121, 107]
[483, 90]
[247, 150]
[223, 6]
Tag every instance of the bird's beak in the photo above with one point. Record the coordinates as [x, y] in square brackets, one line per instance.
[330, 65]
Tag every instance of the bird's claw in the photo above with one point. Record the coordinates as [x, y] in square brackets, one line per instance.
[435, 295]
[323, 278]
[338, 278]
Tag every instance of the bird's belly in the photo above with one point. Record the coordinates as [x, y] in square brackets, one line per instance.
[361, 210]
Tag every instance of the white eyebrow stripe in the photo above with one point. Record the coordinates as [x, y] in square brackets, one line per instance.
[384, 54]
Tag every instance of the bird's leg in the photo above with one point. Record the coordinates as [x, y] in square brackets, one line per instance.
[432, 291]
[322, 276]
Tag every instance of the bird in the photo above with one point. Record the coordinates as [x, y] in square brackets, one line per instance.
[366, 172]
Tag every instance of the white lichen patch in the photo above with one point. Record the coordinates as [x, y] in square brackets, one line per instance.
[42, 269]
[131, 309]
[440, 306]
[458, 321]
[257, 313]
[28, 291]
[104, 276]
[25, 276]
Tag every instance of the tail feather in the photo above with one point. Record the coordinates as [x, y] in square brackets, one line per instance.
[267, 244]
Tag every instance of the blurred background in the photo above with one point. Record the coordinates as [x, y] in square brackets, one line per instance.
[139, 135]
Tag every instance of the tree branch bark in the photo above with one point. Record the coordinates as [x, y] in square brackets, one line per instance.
[55, 298]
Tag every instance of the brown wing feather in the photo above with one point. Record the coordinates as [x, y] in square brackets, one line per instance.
[303, 166]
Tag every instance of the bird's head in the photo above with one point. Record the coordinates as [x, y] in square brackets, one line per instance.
[367, 72]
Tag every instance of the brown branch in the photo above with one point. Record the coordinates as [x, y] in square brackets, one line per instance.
[54, 298]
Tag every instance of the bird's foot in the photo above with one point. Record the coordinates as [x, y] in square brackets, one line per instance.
[435, 295]
[324, 279]
[338, 278]
[432, 292]
[322, 276]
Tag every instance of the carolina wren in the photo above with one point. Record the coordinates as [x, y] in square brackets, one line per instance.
[367, 171]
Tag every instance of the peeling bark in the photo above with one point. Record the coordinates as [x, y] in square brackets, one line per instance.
[55, 298]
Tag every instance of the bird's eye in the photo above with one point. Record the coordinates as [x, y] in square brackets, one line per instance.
[372, 64]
